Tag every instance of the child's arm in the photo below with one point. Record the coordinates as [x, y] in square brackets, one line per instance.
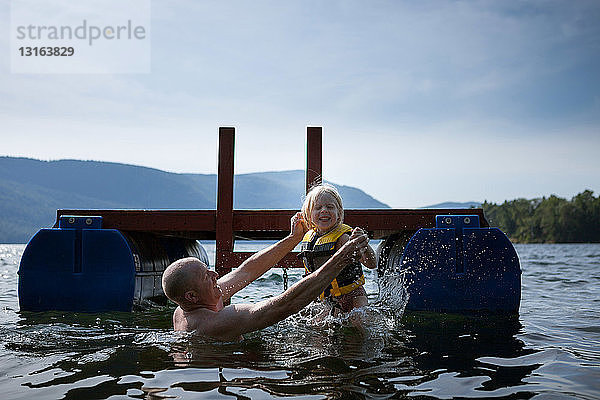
[367, 257]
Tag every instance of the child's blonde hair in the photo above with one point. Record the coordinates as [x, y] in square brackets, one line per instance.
[311, 198]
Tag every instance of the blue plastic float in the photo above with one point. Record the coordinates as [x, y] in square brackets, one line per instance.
[459, 266]
[81, 267]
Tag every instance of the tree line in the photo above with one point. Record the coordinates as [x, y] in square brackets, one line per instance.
[548, 220]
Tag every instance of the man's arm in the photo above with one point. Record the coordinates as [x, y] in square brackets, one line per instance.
[234, 320]
[261, 262]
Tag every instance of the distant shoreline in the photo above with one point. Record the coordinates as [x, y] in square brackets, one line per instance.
[548, 220]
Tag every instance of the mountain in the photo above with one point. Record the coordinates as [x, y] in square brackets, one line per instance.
[32, 190]
[451, 204]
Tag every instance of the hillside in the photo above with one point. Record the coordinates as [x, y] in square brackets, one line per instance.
[32, 190]
[452, 204]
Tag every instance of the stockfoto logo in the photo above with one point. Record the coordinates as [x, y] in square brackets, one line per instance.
[91, 36]
[84, 31]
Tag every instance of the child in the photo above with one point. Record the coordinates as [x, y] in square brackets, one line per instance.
[324, 214]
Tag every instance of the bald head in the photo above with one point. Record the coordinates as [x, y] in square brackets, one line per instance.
[179, 277]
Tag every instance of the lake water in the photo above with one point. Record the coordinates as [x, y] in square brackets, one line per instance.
[550, 350]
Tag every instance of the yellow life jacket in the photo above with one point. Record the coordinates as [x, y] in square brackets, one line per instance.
[316, 250]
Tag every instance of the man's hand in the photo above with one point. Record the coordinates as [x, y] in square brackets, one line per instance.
[367, 256]
[298, 226]
[356, 232]
[355, 247]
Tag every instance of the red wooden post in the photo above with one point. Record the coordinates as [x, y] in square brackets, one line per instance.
[224, 223]
[314, 156]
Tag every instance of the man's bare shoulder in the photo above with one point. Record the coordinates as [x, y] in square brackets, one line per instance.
[197, 320]
[226, 324]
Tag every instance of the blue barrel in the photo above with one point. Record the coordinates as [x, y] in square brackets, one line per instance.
[81, 267]
[458, 266]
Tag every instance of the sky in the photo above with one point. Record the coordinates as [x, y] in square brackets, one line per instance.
[420, 102]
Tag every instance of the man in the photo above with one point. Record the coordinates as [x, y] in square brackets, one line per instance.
[200, 294]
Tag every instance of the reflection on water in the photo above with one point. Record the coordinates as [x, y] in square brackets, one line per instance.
[456, 343]
[85, 355]
[551, 349]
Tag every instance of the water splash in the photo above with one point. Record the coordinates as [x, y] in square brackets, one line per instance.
[360, 334]
[393, 292]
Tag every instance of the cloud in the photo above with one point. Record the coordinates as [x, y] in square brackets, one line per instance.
[421, 102]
